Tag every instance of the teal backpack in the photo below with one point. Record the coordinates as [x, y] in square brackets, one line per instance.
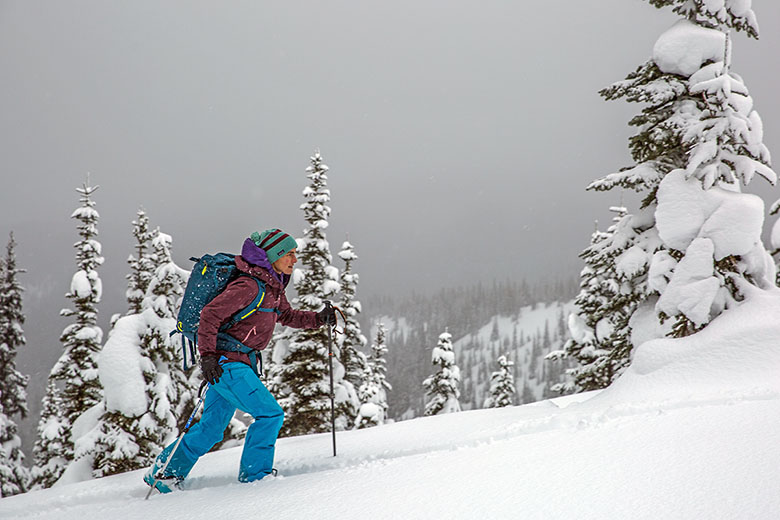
[210, 275]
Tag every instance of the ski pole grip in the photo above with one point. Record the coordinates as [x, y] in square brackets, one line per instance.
[331, 315]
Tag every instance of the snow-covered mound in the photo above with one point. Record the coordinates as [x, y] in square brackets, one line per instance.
[736, 356]
[689, 431]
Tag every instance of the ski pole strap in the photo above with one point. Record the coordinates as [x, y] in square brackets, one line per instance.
[334, 325]
[227, 343]
[344, 319]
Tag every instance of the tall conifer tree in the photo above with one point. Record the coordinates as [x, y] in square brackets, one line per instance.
[373, 390]
[14, 476]
[697, 120]
[353, 340]
[300, 378]
[76, 370]
[142, 264]
[618, 261]
[51, 451]
[725, 150]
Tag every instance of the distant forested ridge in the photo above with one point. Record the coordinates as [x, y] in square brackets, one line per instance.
[520, 320]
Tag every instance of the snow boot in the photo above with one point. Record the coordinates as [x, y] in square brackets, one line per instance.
[166, 482]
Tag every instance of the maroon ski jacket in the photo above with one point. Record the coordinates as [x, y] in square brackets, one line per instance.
[256, 330]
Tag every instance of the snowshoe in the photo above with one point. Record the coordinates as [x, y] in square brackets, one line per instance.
[165, 483]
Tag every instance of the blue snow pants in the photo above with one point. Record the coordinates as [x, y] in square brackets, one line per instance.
[238, 388]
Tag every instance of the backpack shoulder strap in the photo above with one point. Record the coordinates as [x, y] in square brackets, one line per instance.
[252, 307]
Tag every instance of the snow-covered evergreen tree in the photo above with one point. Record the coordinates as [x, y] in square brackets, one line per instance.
[76, 369]
[300, 379]
[353, 340]
[721, 14]
[14, 476]
[658, 148]
[161, 305]
[130, 430]
[51, 451]
[443, 386]
[711, 232]
[373, 390]
[142, 264]
[502, 385]
[138, 418]
[698, 119]
[13, 393]
[614, 283]
[600, 333]
[378, 363]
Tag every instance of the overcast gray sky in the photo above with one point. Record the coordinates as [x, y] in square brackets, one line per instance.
[460, 134]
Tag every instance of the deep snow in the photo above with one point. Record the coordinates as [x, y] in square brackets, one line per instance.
[689, 431]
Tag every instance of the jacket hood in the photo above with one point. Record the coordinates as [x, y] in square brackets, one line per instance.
[255, 262]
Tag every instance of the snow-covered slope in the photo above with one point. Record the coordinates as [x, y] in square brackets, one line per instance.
[689, 431]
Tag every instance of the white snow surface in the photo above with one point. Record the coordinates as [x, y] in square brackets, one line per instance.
[706, 225]
[120, 371]
[685, 47]
[84, 283]
[688, 431]
[687, 211]
[693, 288]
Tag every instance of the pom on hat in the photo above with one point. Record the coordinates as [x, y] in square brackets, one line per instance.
[275, 242]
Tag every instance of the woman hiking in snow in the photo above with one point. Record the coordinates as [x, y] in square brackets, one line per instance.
[267, 257]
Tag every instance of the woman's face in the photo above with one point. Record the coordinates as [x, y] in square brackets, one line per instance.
[285, 264]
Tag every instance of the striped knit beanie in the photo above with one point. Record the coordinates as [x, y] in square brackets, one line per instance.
[275, 242]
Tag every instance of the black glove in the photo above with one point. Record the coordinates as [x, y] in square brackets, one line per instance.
[211, 369]
[327, 316]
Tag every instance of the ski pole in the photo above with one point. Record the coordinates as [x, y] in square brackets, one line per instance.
[330, 365]
[181, 436]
